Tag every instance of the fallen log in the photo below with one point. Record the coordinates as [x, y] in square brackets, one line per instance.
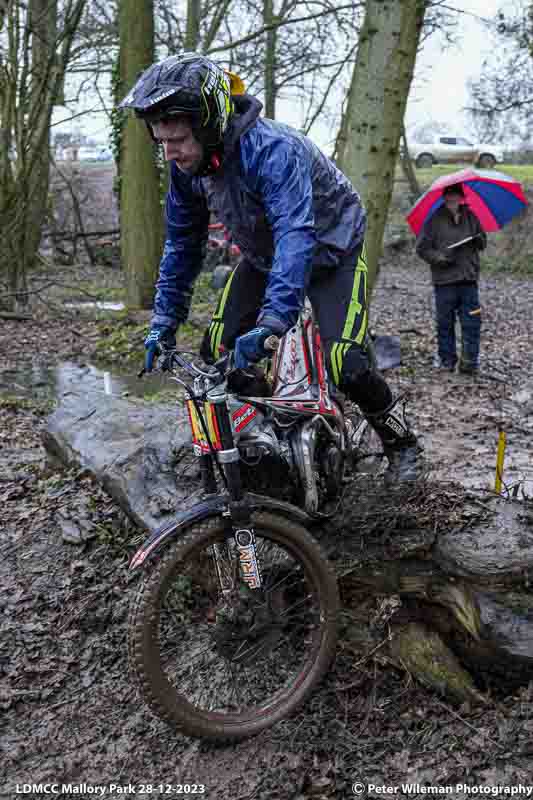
[133, 449]
[456, 567]
[15, 316]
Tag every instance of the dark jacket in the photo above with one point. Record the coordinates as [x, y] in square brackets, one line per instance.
[440, 231]
[286, 204]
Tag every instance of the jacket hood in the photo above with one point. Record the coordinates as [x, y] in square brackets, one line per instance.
[247, 110]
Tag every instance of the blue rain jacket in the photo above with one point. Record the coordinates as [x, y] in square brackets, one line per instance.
[287, 206]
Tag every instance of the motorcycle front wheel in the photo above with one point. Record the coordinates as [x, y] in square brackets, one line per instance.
[218, 659]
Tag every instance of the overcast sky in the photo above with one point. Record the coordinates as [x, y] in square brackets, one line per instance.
[439, 89]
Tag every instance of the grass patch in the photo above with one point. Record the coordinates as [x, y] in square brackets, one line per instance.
[203, 306]
[122, 335]
[121, 341]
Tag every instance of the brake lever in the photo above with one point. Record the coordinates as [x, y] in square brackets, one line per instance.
[165, 360]
[169, 356]
[223, 364]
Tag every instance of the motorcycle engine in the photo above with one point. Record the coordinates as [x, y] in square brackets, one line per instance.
[266, 465]
[332, 469]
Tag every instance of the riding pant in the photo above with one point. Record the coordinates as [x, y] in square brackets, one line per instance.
[339, 298]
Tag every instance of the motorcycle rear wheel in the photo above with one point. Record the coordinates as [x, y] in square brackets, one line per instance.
[226, 667]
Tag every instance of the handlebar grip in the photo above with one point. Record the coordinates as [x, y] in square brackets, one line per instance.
[271, 343]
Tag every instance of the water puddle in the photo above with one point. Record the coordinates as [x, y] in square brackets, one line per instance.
[50, 382]
[102, 305]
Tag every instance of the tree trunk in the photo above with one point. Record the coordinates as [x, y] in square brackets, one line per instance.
[43, 25]
[408, 170]
[192, 36]
[270, 60]
[368, 141]
[140, 205]
[35, 58]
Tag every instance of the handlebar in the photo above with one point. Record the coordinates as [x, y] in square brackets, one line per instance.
[216, 370]
[170, 358]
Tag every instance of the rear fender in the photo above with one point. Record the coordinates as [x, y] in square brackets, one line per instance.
[212, 506]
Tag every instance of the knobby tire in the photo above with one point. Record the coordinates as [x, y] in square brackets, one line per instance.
[144, 620]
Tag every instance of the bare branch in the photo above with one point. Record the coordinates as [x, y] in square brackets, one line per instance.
[218, 17]
[309, 124]
[256, 34]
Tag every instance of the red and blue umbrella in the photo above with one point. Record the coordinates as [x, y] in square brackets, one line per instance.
[494, 198]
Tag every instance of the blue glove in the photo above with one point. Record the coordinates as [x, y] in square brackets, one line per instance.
[157, 340]
[250, 347]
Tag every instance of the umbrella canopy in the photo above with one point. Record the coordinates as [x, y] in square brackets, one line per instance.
[494, 198]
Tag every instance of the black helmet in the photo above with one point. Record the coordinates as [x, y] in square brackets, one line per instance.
[187, 84]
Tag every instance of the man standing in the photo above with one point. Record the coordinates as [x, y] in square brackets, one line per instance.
[297, 220]
[455, 275]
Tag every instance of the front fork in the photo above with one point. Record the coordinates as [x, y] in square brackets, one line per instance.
[238, 512]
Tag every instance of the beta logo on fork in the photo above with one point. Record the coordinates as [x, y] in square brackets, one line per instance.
[243, 416]
[245, 541]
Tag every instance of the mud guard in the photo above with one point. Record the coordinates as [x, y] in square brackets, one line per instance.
[211, 506]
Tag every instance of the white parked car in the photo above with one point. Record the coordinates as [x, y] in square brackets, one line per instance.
[104, 155]
[87, 153]
[453, 150]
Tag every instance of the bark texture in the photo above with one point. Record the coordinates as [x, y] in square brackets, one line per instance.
[367, 146]
[408, 170]
[192, 36]
[37, 49]
[140, 198]
[270, 60]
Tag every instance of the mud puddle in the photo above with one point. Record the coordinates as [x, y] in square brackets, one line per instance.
[50, 382]
[101, 305]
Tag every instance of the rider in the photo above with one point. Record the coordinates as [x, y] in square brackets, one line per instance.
[297, 220]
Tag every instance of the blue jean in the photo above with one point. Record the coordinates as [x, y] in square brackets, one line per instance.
[462, 300]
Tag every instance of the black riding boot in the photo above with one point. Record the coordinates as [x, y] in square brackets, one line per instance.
[399, 443]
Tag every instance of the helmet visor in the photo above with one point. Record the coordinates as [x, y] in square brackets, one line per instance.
[173, 106]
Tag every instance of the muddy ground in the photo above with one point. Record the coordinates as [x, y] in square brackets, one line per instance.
[69, 710]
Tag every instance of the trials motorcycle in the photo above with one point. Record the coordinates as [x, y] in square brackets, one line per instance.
[234, 622]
